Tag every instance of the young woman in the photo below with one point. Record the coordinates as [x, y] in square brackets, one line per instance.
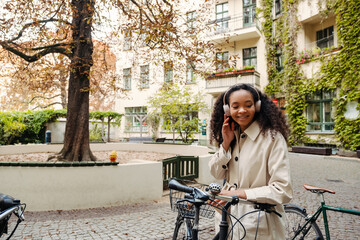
[251, 133]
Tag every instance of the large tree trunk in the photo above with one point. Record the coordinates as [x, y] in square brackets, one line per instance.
[76, 141]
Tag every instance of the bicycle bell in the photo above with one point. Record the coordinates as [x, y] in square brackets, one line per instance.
[214, 188]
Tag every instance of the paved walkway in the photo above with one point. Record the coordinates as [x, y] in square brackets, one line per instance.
[155, 220]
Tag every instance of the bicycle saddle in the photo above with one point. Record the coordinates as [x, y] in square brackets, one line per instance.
[317, 189]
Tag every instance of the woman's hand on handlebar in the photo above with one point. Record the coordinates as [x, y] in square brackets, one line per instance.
[238, 192]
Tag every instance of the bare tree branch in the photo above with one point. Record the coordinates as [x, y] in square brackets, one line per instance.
[37, 56]
[43, 107]
[142, 11]
[34, 24]
[43, 97]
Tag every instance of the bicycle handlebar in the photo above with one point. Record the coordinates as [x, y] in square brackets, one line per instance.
[204, 196]
[175, 185]
[17, 208]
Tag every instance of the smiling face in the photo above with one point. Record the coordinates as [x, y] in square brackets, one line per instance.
[242, 108]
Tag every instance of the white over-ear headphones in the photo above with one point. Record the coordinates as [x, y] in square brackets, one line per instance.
[227, 107]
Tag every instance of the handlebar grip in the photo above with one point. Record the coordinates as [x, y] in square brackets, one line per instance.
[175, 185]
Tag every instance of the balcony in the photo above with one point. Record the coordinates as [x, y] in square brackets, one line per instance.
[309, 59]
[234, 28]
[227, 79]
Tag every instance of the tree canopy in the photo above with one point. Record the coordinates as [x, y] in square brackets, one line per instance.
[179, 108]
[35, 29]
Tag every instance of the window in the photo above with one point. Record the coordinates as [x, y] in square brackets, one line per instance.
[222, 60]
[325, 37]
[279, 59]
[127, 41]
[222, 17]
[135, 119]
[319, 111]
[144, 37]
[278, 7]
[191, 22]
[249, 12]
[127, 78]
[190, 77]
[168, 72]
[249, 57]
[144, 76]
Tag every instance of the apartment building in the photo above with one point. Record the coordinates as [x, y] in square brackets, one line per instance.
[235, 28]
[317, 36]
[231, 26]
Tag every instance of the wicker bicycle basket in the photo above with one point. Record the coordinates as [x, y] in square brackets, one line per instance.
[187, 209]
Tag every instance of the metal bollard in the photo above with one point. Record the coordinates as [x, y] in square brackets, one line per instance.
[48, 137]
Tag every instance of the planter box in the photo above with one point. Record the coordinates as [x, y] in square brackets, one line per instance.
[228, 74]
[312, 150]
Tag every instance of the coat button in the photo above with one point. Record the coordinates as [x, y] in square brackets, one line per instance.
[243, 135]
[236, 158]
[224, 166]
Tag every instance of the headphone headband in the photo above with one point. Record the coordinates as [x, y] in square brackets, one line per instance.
[226, 106]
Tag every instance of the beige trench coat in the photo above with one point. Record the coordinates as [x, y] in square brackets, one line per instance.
[259, 165]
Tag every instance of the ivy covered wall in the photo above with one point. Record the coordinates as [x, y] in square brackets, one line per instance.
[339, 72]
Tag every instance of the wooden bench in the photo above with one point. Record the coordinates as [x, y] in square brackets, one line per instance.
[160, 140]
[312, 150]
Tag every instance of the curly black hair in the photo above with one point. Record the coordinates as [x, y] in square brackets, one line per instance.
[269, 117]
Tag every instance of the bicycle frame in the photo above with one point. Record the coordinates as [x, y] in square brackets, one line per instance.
[223, 225]
[322, 210]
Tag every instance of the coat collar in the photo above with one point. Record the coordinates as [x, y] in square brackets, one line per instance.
[252, 131]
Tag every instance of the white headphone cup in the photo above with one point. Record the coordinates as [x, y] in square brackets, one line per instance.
[226, 109]
[258, 106]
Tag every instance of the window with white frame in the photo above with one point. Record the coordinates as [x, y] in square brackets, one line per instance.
[135, 119]
[222, 60]
[190, 76]
[127, 42]
[168, 72]
[278, 7]
[144, 76]
[319, 111]
[191, 21]
[249, 12]
[222, 17]
[127, 78]
[325, 37]
[279, 59]
[250, 57]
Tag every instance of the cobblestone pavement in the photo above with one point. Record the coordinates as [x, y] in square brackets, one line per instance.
[155, 220]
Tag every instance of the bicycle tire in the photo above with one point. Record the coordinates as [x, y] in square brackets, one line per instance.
[295, 219]
[183, 227]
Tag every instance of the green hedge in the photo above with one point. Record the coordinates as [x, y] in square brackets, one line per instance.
[30, 126]
[26, 127]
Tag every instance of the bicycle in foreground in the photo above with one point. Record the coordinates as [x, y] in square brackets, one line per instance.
[8, 206]
[196, 203]
[301, 225]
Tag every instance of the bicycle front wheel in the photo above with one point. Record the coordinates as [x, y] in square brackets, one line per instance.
[183, 227]
[296, 217]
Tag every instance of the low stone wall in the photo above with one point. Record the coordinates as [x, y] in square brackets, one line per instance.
[65, 188]
[191, 150]
[54, 188]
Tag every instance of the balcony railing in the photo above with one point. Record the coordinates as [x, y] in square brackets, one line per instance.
[326, 42]
[230, 24]
[228, 79]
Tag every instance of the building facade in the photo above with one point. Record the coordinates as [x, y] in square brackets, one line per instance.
[237, 28]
